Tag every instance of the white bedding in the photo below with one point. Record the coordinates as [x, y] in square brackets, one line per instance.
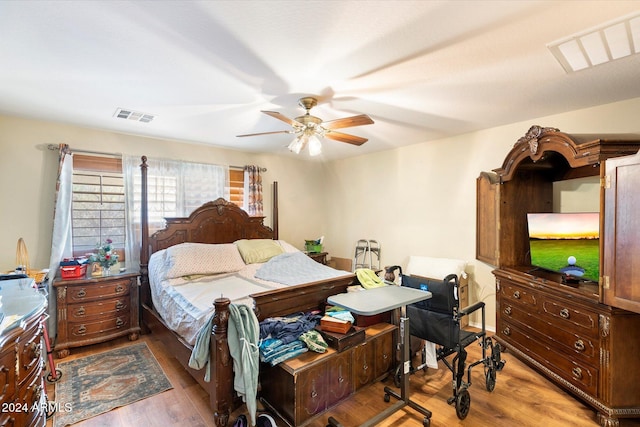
[186, 303]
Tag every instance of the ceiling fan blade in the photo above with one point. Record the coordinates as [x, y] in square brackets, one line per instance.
[359, 120]
[282, 117]
[343, 137]
[265, 133]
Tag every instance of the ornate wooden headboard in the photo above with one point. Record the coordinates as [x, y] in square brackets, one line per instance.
[218, 221]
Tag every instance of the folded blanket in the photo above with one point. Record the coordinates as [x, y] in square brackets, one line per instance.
[294, 269]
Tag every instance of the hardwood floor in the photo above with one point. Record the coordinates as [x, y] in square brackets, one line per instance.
[522, 397]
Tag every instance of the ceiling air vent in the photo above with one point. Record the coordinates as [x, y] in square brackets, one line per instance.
[607, 42]
[137, 116]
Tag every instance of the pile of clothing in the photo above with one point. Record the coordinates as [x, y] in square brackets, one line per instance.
[282, 338]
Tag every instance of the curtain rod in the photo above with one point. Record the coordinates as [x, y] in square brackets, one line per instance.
[242, 167]
[54, 147]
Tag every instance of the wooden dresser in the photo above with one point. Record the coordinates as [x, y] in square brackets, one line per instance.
[96, 309]
[303, 387]
[22, 398]
[582, 335]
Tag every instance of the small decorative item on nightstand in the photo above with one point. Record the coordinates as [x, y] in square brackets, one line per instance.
[106, 257]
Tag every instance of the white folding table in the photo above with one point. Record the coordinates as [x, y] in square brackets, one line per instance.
[375, 301]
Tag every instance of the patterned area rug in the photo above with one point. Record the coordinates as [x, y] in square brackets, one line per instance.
[96, 384]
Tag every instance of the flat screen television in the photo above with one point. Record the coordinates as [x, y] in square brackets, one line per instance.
[567, 243]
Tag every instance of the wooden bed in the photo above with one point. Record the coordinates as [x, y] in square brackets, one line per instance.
[220, 221]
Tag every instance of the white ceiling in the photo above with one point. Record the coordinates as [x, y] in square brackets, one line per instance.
[421, 69]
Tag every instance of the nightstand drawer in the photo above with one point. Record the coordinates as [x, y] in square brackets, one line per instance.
[93, 291]
[88, 330]
[96, 310]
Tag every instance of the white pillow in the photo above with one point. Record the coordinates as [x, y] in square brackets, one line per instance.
[287, 247]
[188, 259]
[435, 268]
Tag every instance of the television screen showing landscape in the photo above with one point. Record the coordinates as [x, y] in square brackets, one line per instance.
[568, 243]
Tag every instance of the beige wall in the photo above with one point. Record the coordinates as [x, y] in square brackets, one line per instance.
[416, 200]
[28, 172]
[420, 200]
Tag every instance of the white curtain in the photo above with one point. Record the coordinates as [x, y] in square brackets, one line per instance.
[61, 246]
[174, 189]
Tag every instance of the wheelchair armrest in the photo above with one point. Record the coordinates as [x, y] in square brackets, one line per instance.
[468, 310]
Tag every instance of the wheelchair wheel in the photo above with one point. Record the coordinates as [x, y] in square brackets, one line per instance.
[463, 403]
[490, 379]
[50, 376]
[397, 377]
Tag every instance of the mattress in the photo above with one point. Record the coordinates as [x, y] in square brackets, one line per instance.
[185, 302]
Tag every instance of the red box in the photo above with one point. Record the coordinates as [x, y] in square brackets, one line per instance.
[73, 271]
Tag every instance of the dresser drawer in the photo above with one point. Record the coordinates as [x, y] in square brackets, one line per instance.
[30, 397]
[567, 339]
[30, 352]
[518, 295]
[7, 375]
[94, 291]
[574, 370]
[80, 312]
[573, 318]
[98, 328]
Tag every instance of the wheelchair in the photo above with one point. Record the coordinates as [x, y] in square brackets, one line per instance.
[438, 320]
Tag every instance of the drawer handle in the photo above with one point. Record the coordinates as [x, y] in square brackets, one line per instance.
[314, 394]
[577, 373]
[516, 294]
[564, 313]
[36, 350]
[506, 331]
[340, 380]
[82, 329]
[80, 311]
[119, 305]
[119, 289]
[119, 322]
[579, 345]
[385, 356]
[81, 293]
[507, 311]
[365, 367]
[37, 392]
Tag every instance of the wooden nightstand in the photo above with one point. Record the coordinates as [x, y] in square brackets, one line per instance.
[96, 309]
[320, 257]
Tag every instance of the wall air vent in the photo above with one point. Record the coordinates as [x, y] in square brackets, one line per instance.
[137, 116]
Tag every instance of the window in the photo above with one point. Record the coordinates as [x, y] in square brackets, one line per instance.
[236, 186]
[97, 211]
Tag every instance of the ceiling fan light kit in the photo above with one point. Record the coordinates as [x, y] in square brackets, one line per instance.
[309, 129]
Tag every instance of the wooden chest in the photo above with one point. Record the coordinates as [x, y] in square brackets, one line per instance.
[303, 387]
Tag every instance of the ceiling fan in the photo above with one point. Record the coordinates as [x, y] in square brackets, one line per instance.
[308, 129]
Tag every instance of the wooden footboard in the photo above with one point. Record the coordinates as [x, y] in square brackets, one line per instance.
[222, 398]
